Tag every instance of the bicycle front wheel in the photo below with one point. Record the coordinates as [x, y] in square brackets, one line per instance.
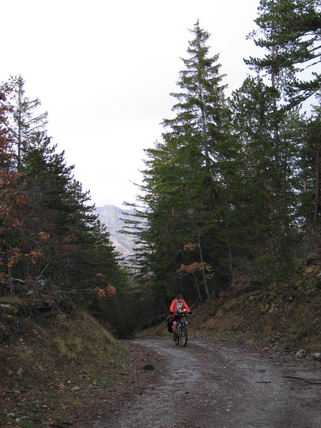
[182, 336]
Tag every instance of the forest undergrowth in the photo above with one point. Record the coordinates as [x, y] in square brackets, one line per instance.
[278, 316]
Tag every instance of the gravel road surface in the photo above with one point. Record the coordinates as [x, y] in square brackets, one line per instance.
[214, 384]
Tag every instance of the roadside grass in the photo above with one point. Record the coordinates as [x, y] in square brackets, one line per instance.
[51, 368]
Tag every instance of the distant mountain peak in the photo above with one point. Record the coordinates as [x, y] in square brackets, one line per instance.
[113, 218]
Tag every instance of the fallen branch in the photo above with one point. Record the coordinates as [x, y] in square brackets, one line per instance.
[61, 424]
[316, 382]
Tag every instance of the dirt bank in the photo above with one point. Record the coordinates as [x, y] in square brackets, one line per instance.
[55, 371]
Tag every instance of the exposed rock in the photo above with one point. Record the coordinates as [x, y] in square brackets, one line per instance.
[317, 356]
[4, 307]
[310, 269]
[301, 353]
[113, 218]
[7, 309]
[313, 258]
[75, 388]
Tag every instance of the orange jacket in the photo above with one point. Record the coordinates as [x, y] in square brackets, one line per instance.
[173, 306]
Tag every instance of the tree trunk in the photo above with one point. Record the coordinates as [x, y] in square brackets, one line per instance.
[10, 280]
[230, 263]
[203, 269]
[19, 124]
[317, 185]
[197, 287]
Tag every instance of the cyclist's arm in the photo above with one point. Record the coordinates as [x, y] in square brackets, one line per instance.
[185, 305]
[172, 307]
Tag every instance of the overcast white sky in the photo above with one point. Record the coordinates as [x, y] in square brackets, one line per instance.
[104, 70]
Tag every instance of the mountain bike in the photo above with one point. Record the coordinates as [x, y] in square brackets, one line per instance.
[180, 336]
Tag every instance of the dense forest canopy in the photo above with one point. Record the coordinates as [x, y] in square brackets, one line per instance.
[231, 191]
[52, 242]
[230, 194]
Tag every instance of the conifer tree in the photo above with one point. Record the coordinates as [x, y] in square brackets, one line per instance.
[267, 198]
[183, 174]
[25, 121]
[11, 196]
[310, 174]
[73, 245]
[201, 108]
[289, 30]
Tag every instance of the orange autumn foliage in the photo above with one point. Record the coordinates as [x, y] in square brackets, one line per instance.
[195, 266]
[190, 246]
[14, 256]
[43, 235]
[111, 290]
[34, 255]
[99, 292]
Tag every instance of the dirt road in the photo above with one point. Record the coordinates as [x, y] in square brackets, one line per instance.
[211, 384]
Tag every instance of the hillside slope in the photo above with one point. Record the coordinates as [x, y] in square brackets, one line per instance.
[59, 366]
[281, 316]
[284, 316]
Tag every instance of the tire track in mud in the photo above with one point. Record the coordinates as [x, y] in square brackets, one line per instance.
[208, 384]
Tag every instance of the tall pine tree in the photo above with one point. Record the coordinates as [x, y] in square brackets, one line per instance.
[290, 32]
[24, 118]
[183, 175]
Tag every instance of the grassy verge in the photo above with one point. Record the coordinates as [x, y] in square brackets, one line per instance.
[54, 368]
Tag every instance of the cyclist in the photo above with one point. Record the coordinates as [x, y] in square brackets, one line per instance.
[177, 305]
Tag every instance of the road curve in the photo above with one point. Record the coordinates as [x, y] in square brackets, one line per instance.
[209, 384]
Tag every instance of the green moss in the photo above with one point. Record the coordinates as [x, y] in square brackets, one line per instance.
[255, 293]
[25, 424]
[12, 300]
